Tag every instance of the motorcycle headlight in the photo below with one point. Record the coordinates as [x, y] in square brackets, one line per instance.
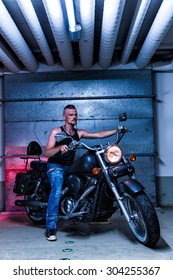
[113, 154]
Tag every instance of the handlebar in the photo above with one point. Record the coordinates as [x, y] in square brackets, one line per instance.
[120, 133]
[122, 128]
[75, 144]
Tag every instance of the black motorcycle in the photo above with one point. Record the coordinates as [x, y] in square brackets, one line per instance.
[98, 183]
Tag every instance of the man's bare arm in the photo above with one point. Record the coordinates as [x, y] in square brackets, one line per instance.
[50, 149]
[93, 135]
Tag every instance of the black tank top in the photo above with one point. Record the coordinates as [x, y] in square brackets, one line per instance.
[66, 158]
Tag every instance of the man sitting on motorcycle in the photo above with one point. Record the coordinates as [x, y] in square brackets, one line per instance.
[59, 160]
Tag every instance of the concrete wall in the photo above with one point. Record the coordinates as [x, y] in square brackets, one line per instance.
[2, 171]
[163, 88]
[34, 104]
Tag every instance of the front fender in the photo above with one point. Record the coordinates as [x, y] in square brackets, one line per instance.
[130, 186]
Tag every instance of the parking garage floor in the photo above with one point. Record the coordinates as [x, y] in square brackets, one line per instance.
[20, 239]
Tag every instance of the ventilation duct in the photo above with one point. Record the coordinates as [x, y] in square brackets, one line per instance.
[8, 60]
[112, 14]
[35, 27]
[56, 19]
[86, 10]
[15, 40]
[137, 21]
[158, 30]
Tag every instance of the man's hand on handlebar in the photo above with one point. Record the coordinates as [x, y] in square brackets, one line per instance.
[63, 148]
[122, 129]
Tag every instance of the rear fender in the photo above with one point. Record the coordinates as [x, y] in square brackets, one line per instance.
[130, 186]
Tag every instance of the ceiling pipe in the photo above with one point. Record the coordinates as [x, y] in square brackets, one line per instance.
[8, 60]
[86, 10]
[157, 32]
[35, 27]
[112, 14]
[56, 19]
[138, 18]
[13, 37]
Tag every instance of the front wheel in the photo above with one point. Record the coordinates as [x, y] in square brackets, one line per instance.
[143, 219]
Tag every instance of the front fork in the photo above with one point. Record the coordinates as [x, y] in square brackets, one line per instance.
[112, 186]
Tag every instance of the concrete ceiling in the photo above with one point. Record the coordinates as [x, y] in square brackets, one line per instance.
[116, 34]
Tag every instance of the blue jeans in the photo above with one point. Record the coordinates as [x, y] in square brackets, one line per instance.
[55, 174]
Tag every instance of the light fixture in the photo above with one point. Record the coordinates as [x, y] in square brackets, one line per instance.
[74, 28]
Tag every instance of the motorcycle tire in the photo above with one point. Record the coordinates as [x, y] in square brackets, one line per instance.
[33, 215]
[144, 222]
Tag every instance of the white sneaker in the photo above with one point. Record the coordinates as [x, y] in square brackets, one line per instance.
[51, 235]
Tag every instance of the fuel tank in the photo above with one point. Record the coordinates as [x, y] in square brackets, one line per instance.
[84, 164]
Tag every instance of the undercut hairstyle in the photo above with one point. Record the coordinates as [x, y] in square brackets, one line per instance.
[69, 106]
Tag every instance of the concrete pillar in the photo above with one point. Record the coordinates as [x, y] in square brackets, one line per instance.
[2, 149]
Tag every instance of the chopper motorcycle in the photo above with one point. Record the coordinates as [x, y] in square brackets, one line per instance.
[96, 185]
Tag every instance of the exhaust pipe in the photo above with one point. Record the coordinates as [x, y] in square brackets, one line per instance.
[32, 203]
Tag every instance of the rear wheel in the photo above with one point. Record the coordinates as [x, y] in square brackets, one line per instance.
[35, 215]
[144, 222]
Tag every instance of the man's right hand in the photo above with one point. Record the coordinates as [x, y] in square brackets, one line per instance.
[63, 148]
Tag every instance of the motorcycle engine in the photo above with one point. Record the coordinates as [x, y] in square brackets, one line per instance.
[67, 205]
[74, 185]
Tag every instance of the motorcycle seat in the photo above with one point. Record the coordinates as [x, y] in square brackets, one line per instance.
[39, 165]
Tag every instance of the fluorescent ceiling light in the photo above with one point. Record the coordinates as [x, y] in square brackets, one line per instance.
[74, 29]
[71, 15]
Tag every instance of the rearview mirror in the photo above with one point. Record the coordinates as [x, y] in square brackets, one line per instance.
[122, 117]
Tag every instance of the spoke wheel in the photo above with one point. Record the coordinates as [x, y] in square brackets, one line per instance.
[143, 219]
